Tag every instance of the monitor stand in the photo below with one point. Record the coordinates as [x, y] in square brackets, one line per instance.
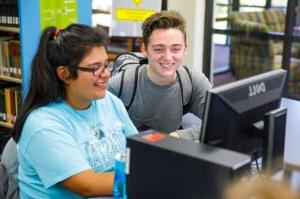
[274, 140]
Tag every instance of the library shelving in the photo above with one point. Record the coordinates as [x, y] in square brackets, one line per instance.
[9, 29]
[10, 65]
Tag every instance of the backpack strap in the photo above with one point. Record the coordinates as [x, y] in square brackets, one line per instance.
[129, 77]
[122, 70]
[186, 86]
[180, 85]
[136, 77]
[121, 84]
[188, 72]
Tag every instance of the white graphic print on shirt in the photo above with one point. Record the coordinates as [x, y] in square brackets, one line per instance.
[102, 148]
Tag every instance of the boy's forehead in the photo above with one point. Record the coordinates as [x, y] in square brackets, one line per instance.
[166, 30]
[166, 36]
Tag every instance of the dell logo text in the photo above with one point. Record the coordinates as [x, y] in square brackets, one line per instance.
[257, 89]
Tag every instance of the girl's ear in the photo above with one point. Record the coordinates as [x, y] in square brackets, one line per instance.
[63, 73]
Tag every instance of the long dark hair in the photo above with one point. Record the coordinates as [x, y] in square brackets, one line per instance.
[66, 47]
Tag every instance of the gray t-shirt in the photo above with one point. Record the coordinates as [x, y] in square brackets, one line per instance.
[160, 107]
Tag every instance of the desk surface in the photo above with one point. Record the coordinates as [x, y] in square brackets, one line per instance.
[292, 140]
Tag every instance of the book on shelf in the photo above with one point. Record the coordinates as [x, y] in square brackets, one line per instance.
[2, 106]
[2, 56]
[10, 103]
[10, 65]
[18, 100]
[5, 58]
[14, 58]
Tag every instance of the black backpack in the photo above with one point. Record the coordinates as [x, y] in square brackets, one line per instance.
[134, 59]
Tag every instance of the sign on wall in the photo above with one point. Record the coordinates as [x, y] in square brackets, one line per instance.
[59, 13]
[128, 16]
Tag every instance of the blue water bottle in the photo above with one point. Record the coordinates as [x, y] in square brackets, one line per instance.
[119, 190]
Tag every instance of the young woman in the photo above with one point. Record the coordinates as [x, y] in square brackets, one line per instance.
[70, 128]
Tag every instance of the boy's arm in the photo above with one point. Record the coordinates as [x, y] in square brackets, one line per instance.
[190, 133]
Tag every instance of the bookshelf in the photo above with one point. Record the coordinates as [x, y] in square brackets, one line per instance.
[5, 124]
[10, 71]
[24, 21]
[9, 29]
[10, 79]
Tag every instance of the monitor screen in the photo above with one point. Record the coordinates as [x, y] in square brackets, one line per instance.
[234, 112]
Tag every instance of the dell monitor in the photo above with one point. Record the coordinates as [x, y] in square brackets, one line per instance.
[234, 113]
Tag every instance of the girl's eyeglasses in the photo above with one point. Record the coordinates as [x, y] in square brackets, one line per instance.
[97, 69]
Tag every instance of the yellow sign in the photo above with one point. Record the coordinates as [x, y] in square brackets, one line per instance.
[137, 2]
[126, 14]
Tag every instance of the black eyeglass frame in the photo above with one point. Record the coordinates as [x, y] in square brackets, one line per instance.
[107, 65]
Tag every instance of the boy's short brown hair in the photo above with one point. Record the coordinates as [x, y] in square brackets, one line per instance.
[163, 20]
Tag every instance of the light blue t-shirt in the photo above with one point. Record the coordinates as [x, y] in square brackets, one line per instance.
[58, 141]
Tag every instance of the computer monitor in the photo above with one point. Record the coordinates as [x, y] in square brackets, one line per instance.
[234, 112]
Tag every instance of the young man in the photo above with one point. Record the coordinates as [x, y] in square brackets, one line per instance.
[158, 101]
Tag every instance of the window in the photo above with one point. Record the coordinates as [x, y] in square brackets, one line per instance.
[221, 11]
[279, 3]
